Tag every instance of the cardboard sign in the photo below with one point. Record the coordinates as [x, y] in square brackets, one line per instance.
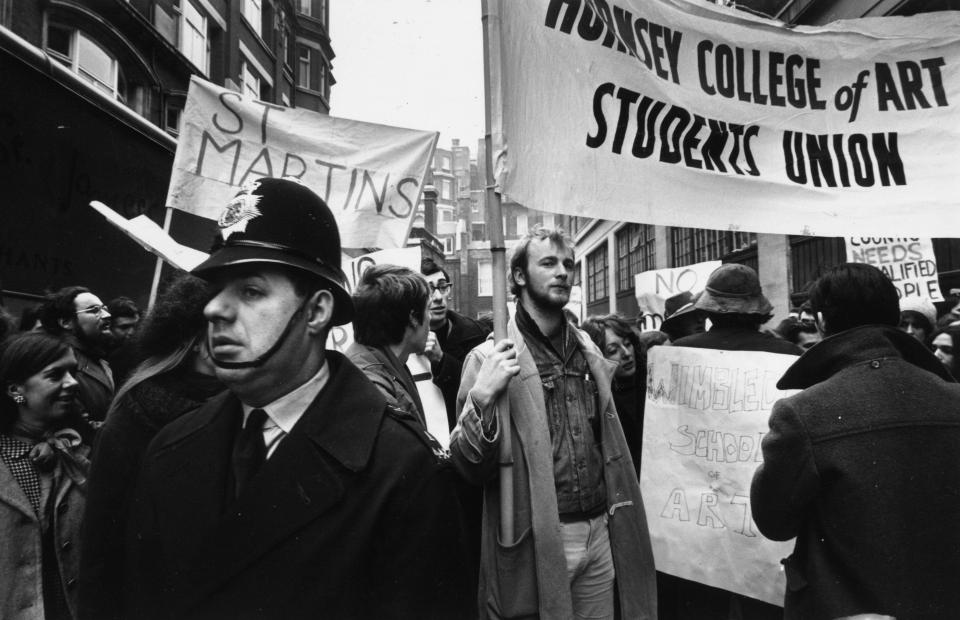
[693, 114]
[909, 262]
[705, 415]
[654, 287]
[369, 175]
[152, 238]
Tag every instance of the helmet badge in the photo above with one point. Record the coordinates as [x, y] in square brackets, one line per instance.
[240, 210]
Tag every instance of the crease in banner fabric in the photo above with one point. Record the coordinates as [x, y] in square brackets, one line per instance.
[691, 114]
[371, 176]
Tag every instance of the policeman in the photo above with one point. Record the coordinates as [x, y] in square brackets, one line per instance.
[299, 492]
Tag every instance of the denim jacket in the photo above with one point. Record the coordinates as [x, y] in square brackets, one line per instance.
[570, 394]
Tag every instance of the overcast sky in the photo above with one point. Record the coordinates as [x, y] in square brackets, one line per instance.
[410, 63]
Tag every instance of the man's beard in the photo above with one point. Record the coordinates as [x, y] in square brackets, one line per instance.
[544, 301]
[98, 344]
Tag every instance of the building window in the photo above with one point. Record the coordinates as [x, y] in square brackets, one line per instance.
[636, 253]
[446, 189]
[193, 37]
[285, 46]
[510, 225]
[250, 80]
[696, 245]
[597, 272]
[477, 231]
[484, 278]
[445, 162]
[303, 67]
[534, 220]
[86, 58]
[253, 11]
[171, 120]
[305, 7]
[448, 245]
[446, 215]
[322, 85]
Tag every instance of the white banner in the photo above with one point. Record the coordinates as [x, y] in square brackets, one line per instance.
[705, 415]
[369, 175]
[652, 288]
[909, 263]
[681, 113]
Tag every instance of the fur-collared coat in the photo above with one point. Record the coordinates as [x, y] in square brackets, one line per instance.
[347, 519]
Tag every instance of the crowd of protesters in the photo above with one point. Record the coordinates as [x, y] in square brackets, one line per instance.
[210, 458]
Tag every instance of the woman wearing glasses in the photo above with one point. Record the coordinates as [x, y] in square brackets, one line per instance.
[944, 345]
[43, 466]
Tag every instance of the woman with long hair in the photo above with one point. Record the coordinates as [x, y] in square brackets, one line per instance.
[174, 378]
[619, 343]
[944, 343]
[43, 468]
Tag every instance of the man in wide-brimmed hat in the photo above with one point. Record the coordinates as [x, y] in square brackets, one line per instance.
[681, 316]
[733, 301]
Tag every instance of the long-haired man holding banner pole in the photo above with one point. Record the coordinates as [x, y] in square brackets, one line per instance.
[581, 548]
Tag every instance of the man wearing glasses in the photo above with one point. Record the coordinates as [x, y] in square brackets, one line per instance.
[79, 316]
[451, 337]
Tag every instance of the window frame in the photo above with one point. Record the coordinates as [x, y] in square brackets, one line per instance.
[304, 67]
[256, 19]
[186, 26]
[247, 69]
[73, 59]
[598, 288]
[636, 253]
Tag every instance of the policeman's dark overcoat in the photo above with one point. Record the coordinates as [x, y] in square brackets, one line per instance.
[348, 518]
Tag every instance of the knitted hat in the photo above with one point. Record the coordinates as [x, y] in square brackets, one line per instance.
[922, 306]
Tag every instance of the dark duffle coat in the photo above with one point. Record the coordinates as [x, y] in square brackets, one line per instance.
[347, 519]
[863, 467]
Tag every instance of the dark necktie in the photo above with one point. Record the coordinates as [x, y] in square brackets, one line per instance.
[249, 451]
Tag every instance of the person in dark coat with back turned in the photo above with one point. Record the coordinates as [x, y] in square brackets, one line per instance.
[298, 494]
[736, 307]
[734, 302]
[174, 378]
[861, 466]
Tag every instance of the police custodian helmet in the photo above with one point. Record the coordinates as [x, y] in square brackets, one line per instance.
[281, 222]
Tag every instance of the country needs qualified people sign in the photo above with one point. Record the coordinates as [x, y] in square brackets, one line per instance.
[909, 262]
[706, 414]
[369, 175]
[680, 113]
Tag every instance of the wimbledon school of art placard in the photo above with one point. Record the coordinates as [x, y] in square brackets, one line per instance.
[706, 414]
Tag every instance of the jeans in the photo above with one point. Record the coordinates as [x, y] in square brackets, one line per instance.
[586, 545]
